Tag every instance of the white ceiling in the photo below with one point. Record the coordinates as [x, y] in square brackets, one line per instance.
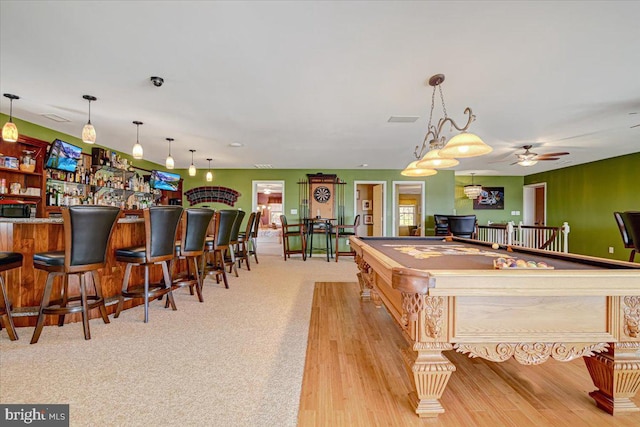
[312, 84]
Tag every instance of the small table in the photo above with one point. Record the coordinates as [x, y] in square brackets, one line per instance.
[326, 225]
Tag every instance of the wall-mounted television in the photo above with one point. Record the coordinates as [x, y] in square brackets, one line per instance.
[161, 180]
[63, 156]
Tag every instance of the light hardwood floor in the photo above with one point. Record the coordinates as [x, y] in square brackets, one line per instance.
[354, 376]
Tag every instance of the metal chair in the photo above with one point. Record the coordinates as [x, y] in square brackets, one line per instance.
[190, 248]
[346, 230]
[87, 231]
[161, 226]
[8, 261]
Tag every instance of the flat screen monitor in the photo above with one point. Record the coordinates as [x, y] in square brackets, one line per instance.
[63, 156]
[164, 180]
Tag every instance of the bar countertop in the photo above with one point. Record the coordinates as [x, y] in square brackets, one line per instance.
[58, 220]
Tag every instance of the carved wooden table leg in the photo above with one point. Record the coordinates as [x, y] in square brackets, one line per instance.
[430, 371]
[616, 373]
[364, 278]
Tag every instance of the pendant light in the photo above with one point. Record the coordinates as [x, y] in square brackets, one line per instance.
[192, 168]
[209, 175]
[137, 148]
[10, 130]
[473, 190]
[88, 131]
[414, 170]
[169, 163]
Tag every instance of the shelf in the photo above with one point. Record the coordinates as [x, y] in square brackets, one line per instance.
[112, 170]
[18, 171]
[20, 196]
[59, 181]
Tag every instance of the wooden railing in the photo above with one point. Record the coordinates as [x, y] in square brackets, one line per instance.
[530, 236]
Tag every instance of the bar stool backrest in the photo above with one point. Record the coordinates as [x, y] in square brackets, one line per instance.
[235, 230]
[87, 231]
[161, 225]
[226, 219]
[256, 224]
[194, 230]
[632, 222]
[249, 227]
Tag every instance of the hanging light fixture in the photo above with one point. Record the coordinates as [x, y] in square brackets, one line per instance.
[209, 176]
[137, 148]
[169, 163]
[192, 168]
[472, 191]
[10, 130]
[88, 131]
[434, 152]
[413, 170]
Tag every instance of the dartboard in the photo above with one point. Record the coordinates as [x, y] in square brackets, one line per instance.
[322, 194]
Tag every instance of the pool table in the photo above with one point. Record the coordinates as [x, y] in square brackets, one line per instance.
[448, 294]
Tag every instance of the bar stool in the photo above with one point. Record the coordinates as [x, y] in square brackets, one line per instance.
[87, 231]
[230, 254]
[8, 261]
[160, 226]
[253, 239]
[195, 222]
[293, 230]
[216, 246]
[346, 230]
[244, 240]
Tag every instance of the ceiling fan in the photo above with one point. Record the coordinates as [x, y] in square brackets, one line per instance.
[529, 158]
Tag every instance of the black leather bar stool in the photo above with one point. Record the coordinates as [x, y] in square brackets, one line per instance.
[215, 247]
[8, 261]
[253, 239]
[195, 222]
[230, 253]
[244, 240]
[161, 226]
[87, 231]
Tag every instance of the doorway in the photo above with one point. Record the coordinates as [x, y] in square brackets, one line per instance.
[408, 208]
[369, 202]
[534, 204]
[268, 198]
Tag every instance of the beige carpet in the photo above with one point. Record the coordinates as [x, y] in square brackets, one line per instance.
[235, 360]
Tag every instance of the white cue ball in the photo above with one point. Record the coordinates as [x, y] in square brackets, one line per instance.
[495, 246]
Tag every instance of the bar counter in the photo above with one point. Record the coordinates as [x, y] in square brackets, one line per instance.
[25, 285]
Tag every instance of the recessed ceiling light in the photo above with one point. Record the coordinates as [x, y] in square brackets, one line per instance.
[403, 119]
[236, 144]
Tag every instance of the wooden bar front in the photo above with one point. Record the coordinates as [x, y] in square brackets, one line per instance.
[25, 285]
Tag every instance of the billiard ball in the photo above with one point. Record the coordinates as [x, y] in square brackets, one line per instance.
[495, 246]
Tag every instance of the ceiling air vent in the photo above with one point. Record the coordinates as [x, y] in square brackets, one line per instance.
[403, 119]
[55, 117]
[263, 166]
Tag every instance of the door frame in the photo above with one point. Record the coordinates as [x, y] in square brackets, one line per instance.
[254, 192]
[529, 202]
[384, 201]
[395, 205]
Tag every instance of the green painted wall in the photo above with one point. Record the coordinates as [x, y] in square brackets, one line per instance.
[586, 196]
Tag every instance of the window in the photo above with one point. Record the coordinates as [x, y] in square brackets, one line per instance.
[407, 215]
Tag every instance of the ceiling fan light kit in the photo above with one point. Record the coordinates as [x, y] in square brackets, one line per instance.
[434, 151]
[529, 158]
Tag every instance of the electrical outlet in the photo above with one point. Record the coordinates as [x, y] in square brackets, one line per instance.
[610, 249]
[348, 242]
